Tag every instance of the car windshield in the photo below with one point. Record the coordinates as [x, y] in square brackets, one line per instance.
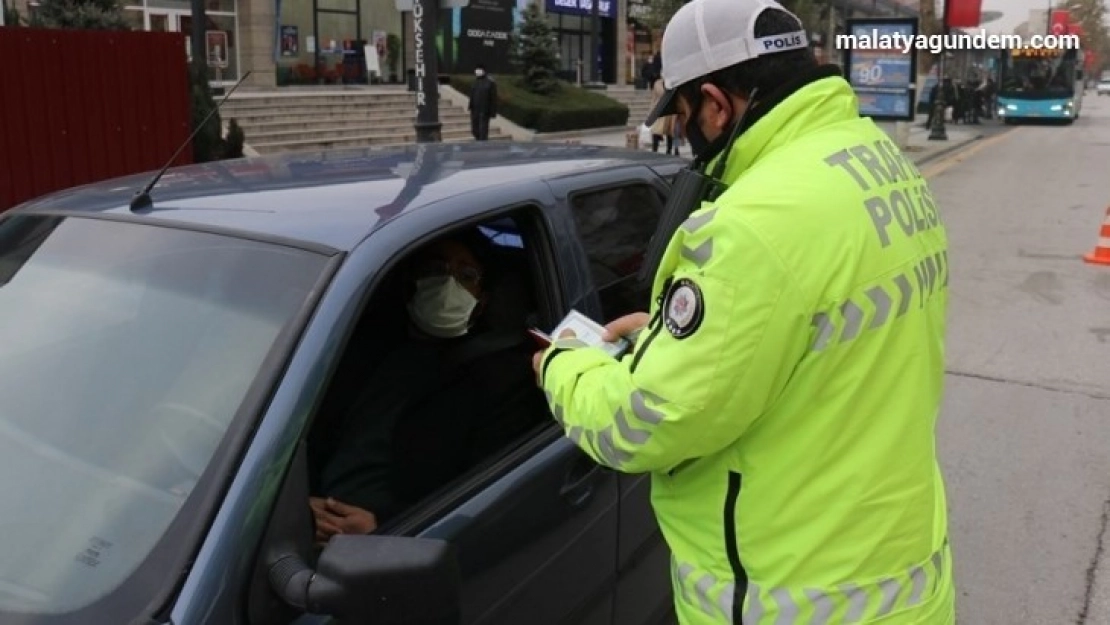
[125, 352]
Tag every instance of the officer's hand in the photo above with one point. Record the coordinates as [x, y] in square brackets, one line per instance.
[537, 358]
[625, 326]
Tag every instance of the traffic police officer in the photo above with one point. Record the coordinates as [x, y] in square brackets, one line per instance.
[784, 388]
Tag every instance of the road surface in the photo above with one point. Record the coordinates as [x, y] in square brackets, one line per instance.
[1025, 429]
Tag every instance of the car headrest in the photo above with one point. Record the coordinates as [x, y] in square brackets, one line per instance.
[509, 296]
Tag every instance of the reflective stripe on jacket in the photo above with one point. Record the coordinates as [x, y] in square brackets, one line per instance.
[785, 394]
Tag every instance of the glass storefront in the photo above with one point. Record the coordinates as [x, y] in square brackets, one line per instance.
[573, 32]
[221, 31]
[323, 41]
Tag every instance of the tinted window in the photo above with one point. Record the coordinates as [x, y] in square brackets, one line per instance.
[615, 226]
[125, 352]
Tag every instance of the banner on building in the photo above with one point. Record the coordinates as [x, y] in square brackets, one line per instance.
[963, 13]
[605, 8]
[881, 73]
[484, 34]
[1058, 25]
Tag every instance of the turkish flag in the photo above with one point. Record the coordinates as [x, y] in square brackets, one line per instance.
[1059, 23]
[963, 13]
[1075, 28]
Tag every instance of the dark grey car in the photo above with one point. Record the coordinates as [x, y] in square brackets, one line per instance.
[162, 369]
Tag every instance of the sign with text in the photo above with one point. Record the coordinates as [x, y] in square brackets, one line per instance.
[884, 78]
[216, 41]
[605, 8]
[425, 66]
[486, 27]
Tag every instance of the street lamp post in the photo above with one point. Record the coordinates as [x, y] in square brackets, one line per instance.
[197, 44]
[595, 36]
[426, 67]
[938, 132]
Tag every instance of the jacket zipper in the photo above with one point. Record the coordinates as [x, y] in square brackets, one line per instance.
[654, 326]
[732, 547]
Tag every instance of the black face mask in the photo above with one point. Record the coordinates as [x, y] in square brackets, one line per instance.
[698, 141]
[703, 149]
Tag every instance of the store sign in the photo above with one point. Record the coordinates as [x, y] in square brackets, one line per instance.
[419, 63]
[486, 29]
[884, 80]
[605, 8]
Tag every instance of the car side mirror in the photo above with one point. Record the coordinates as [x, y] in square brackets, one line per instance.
[375, 580]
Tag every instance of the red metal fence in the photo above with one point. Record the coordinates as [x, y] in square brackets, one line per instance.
[82, 106]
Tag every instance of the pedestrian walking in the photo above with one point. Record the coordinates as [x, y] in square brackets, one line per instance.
[663, 127]
[783, 387]
[483, 103]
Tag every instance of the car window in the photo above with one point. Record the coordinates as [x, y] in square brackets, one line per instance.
[615, 226]
[125, 352]
[414, 406]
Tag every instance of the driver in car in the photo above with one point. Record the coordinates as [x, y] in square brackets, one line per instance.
[359, 486]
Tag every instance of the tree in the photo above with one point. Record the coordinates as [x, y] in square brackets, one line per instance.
[535, 51]
[1091, 15]
[80, 15]
[661, 11]
[928, 24]
[208, 144]
[809, 11]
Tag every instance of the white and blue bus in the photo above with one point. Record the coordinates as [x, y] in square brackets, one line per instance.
[1040, 83]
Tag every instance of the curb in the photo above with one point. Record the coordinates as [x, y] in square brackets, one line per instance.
[949, 150]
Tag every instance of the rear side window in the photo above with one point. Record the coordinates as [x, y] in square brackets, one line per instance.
[615, 225]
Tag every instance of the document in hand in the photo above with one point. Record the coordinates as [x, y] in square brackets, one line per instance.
[586, 330]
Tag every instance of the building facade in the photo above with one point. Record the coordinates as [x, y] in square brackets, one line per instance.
[321, 42]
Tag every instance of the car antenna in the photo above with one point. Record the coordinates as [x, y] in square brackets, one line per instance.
[142, 199]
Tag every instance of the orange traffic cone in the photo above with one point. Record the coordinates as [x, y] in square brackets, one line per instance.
[1101, 254]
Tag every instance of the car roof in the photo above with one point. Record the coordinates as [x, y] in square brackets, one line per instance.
[333, 198]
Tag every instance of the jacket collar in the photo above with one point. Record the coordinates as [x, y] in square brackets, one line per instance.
[816, 99]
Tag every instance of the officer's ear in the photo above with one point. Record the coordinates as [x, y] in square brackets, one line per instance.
[720, 108]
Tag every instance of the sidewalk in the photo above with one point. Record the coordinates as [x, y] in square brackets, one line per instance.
[920, 149]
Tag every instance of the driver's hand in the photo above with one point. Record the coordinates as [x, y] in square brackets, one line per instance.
[335, 517]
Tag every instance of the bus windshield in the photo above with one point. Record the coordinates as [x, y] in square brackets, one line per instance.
[1038, 74]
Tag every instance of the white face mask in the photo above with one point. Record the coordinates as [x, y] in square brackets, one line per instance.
[442, 307]
[479, 72]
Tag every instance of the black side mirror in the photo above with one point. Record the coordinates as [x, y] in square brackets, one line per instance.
[387, 580]
[358, 579]
[375, 580]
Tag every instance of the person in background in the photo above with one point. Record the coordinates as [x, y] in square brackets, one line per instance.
[664, 126]
[483, 103]
[679, 137]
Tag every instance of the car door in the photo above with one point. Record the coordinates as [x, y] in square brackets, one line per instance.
[536, 532]
[632, 200]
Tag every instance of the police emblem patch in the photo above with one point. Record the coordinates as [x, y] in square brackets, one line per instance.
[684, 308]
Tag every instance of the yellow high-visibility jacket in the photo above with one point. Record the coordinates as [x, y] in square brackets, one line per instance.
[785, 393]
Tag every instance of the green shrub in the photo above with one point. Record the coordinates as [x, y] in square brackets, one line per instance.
[207, 145]
[233, 144]
[569, 108]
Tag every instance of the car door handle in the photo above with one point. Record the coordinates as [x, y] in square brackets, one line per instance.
[579, 485]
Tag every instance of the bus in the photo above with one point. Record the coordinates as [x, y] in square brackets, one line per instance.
[1040, 83]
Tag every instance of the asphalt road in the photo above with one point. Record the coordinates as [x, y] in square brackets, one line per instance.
[1025, 430]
